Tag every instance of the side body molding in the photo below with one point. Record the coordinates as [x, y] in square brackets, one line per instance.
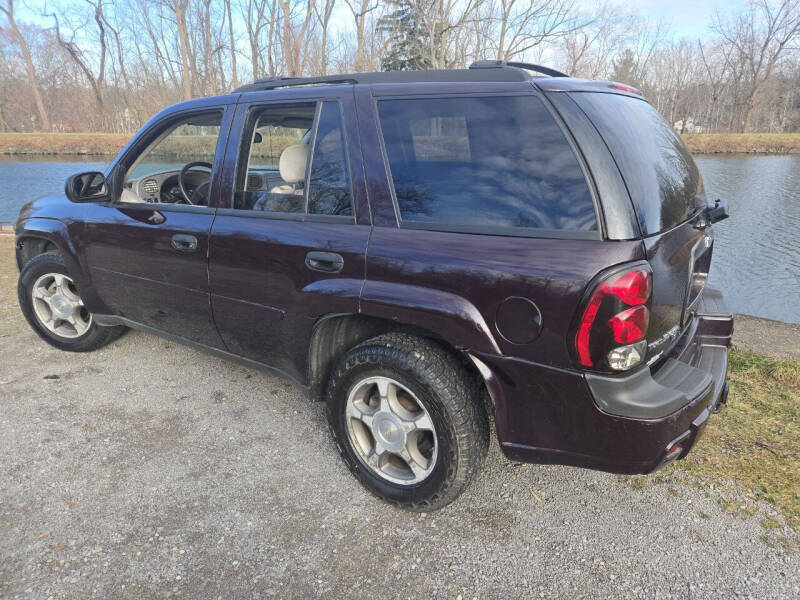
[451, 316]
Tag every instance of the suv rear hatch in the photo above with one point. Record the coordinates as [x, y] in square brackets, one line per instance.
[666, 189]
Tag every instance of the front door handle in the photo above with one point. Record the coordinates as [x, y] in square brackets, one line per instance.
[326, 262]
[184, 243]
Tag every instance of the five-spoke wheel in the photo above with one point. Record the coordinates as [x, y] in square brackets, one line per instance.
[52, 304]
[408, 420]
[391, 430]
[58, 306]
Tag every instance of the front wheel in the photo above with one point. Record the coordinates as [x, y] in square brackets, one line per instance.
[54, 309]
[408, 421]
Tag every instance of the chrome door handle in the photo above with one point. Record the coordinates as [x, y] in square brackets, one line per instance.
[184, 243]
[325, 262]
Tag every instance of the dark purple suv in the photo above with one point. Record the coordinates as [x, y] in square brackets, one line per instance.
[425, 250]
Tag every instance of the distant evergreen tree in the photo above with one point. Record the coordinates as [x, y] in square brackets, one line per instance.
[405, 50]
[625, 68]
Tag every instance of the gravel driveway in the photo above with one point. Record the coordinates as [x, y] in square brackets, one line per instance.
[149, 469]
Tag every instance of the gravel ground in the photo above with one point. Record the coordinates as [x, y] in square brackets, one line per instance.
[148, 469]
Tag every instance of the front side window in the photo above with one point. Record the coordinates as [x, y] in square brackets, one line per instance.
[175, 168]
[472, 163]
[294, 161]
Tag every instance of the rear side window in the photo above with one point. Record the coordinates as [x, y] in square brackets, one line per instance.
[661, 176]
[483, 163]
[329, 186]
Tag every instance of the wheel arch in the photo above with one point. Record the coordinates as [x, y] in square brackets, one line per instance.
[335, 334]
[38, 235]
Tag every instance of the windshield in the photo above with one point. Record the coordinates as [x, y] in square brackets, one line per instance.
[661, 175]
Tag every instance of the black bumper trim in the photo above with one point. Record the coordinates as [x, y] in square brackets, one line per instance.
[679, 380]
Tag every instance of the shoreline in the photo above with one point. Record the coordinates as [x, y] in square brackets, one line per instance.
[109, 144]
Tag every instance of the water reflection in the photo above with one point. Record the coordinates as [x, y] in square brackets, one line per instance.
[757, 251]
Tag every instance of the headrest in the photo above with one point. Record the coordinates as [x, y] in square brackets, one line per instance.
[292, 164]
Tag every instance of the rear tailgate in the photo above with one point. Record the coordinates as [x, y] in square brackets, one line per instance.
[667, 193]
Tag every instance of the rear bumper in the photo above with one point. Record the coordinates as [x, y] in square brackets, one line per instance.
[558, 416]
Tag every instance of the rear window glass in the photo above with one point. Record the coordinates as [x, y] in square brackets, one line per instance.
[661, 176]
[478, 163]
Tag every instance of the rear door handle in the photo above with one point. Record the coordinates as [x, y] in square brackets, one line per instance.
[325, 262]
[184, 243]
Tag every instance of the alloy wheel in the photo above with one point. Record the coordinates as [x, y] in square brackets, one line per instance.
[58, 307]
[391, 431]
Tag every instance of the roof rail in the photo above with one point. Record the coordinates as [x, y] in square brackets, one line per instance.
[497, 64]
[480, 71]
[268, 83]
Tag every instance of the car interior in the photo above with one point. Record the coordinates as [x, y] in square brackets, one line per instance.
[176, 167]
[277, 155]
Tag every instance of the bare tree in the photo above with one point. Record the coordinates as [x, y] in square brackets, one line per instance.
[232, 44]
[8, 11]
[178, 8]
[80, 57]
[524, 24]
[760, 37]
[129, 58]
[360, 9]
[323, 15]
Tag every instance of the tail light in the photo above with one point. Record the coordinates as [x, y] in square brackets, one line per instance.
[611, 331]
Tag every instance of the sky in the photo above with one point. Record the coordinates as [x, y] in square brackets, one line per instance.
[688, 18]
[685, 18]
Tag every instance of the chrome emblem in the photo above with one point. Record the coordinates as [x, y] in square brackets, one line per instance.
[670, 335]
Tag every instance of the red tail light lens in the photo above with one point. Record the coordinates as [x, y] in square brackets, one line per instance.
[630, 325]
[615, 314]
[625, 88]
[632, 287]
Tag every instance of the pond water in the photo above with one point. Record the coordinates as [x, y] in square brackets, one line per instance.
[756, 254]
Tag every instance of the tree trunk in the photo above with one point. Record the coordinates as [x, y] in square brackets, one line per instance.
[234, 76]
[30, 71]
[179, 6]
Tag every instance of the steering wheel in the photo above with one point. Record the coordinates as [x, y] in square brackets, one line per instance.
[182, 179]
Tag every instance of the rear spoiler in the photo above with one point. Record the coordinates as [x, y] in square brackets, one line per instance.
[572, 84]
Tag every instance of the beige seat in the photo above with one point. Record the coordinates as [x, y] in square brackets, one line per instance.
[292, 167]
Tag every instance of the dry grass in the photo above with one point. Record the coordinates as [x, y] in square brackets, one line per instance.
[11, 320]
[62, 143]
[110, 144]
[755, 441]
[756, 143]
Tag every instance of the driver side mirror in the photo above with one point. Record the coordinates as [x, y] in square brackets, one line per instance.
[87, 187]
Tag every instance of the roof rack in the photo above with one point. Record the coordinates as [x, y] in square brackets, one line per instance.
[272, 82]
[498, 64]
[483, 70]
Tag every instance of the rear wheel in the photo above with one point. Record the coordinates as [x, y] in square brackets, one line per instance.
[54, 309]
[408, 421]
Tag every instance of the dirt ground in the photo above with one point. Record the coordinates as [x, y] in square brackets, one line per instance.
[148, 469]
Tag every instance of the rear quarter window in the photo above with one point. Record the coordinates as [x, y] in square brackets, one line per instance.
[478, 164]
[662, 178]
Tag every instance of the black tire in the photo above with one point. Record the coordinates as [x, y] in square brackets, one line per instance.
[448, 392]
[95, 337]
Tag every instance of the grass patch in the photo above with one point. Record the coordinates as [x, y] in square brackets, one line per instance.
[109, 144]
[757, 143]
[112, 143]
[755, 441]
[63, 143]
